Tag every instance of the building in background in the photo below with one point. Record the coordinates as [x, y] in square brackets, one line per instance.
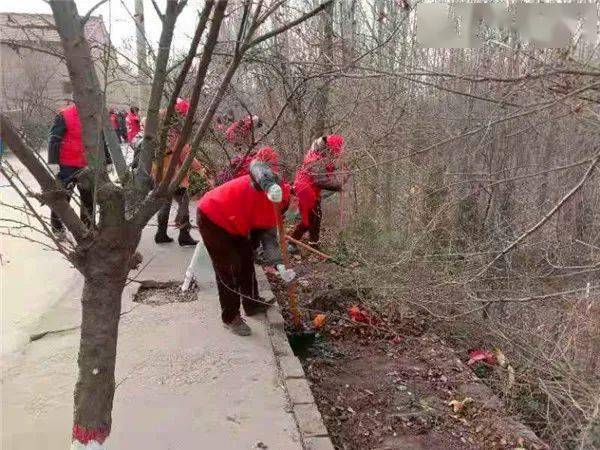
[34, 81]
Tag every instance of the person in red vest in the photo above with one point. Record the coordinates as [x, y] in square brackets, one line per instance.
[317, 173]
[133, 123]
[227, 216]
[66, 159]
[182, 219]
[114, 121]
[241, 132]
[241, 135]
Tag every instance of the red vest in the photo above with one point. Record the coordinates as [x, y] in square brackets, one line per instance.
[304, 184]
[238, 207]
[133, 126]
[72, 152]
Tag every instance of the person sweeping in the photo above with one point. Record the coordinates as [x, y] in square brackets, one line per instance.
[317, 173]
[227, 216]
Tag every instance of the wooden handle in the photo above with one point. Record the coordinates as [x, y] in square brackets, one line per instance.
[308, 247]
[286, 262]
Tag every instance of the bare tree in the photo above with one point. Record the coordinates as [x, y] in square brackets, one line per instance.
[106, 252]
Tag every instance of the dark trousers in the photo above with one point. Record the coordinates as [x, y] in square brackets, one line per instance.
[67, 176]
[182, 220]
[233, 262]
[314, 225]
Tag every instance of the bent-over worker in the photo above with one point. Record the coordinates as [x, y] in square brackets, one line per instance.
[227, 216]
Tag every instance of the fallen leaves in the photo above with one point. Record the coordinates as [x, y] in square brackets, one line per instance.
[459, 405]
[319, 321]
[358, 315]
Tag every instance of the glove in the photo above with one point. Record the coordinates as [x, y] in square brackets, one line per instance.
[109, 168]
[286, 275]
[54, 169]
[275, 194]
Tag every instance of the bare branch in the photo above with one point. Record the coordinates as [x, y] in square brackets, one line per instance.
[287, 26]
[187, 64]
[150, 145]
[158, 11]
[211, 42]
[545, 219]
[85, 18]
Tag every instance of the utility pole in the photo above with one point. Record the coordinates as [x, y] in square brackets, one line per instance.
[142, 61]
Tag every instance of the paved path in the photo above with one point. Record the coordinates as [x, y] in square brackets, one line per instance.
[184, 382]
[33, 278]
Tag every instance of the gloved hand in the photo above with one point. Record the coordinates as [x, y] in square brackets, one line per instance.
[54, 169]
[109, 168]
[275, 194]
[286, 275]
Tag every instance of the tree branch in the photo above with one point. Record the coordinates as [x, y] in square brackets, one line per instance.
[545, 219]
[150, 149]
[45, 229]
[211, 42]
[85, 18]
[187, 64]
[161, 16]
[286, 27]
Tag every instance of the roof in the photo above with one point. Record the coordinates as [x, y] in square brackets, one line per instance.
[40, 28]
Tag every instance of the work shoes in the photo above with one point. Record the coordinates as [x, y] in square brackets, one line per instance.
[162, 238]
[186, 239]
[239, 327]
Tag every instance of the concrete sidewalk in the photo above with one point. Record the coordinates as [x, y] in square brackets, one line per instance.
[184, 382]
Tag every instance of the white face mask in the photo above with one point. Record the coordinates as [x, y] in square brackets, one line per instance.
[275, 194]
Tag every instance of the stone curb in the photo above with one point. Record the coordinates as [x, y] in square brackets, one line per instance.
[313, 432]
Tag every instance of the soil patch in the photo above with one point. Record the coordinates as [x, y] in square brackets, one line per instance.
[158, 293]
[388, 384]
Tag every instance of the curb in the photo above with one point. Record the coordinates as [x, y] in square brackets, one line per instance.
[313, 433]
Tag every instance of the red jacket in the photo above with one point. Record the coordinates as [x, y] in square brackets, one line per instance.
[240, 132]
[72, 152]
[239, 208]
[133, 125]
[305, 187]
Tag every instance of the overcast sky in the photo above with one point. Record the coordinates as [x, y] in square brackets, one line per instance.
[117, 19]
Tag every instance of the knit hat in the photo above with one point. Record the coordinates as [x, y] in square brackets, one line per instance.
[182, 107]
[335, 142]
[269, 156]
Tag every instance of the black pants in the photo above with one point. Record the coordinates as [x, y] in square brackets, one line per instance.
[182, 220]
[67, 176]
[233, 262]
[314, 225]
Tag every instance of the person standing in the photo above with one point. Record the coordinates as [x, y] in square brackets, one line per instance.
[112, 115]
[66, 159]
[227, 216]
[316, 173]
[122, 126]
[133, 123]
[182, 219]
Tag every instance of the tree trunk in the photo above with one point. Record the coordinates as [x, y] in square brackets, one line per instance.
[322, 100]
[105, 276]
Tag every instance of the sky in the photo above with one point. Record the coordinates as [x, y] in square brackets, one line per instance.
[117, 19]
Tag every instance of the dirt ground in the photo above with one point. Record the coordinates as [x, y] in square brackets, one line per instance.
[391, 383]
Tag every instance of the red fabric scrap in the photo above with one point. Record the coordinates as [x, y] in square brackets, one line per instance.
[479, 354]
